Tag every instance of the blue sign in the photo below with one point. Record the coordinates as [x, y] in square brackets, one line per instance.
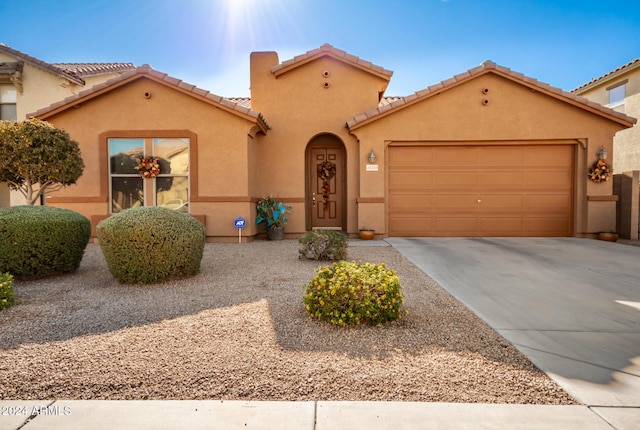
[240, 223]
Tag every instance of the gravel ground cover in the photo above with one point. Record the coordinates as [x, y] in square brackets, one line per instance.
[238, 330]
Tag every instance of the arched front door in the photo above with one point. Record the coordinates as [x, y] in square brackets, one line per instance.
[325, 189]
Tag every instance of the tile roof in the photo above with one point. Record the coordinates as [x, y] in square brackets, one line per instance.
[328, 50]
[486, 67]
[93, 69]
[147, 71]
[596, 81]
[70, 72]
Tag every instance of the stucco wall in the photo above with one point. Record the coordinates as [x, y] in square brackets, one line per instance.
[219, 149]
[298, 106]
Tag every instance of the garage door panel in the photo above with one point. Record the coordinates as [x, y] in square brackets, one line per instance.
[411, 179]
[502, 202]
[549, 202]
[411, 225]
[548, 178]
[553, 155]
[411, 156]
[456, 179]
[546, 225]
[507, 156]
[410, 202]
[455, 156]
[455, 201]
[460, 225]
[502, 179]
[476, 190]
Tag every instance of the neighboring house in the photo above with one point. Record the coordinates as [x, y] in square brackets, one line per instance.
[28, 84]
[620, 90]
[489, 152]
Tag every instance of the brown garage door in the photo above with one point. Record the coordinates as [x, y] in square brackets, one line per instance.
[481, 190]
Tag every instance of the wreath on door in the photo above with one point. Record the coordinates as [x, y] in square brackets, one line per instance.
[326, 171]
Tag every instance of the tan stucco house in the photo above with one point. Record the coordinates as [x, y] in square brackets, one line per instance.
[489, 152]
[620, 90]
[28, 84]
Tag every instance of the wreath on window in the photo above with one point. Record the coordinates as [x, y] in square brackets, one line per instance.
[326, 171]
[600, 172]
[148, 167]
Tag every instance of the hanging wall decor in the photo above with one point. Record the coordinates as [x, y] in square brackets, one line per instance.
[326, 171]
[148, 167]
[600, 172]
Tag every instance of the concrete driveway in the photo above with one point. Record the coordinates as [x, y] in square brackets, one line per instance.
[572, 306]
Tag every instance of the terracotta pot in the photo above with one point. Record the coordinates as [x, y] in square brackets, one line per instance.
[609, 237]
[366, 234]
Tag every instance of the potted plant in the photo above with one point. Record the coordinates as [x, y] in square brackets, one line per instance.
[366, 233]
[609, 236]
[273, 214]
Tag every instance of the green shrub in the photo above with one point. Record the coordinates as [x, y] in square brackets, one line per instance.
[151, 244]
[37, 241]
[6, 290]
[353, 293]
[323, 245]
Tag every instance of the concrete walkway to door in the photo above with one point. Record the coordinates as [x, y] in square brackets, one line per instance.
[571, 305]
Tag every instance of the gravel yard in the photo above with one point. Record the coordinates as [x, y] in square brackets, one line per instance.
[238, 330]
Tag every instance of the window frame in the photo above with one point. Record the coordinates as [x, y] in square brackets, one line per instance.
[149, 190]
[612, 90]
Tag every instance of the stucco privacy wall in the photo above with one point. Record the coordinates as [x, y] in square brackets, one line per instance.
[514, 114]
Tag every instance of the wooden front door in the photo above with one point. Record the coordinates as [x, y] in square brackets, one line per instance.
[325, 183]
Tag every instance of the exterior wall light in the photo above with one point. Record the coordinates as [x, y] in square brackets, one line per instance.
[602, 153]
[372, 157]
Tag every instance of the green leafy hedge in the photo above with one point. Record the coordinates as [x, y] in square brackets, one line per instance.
[354, 293]
[323, 245]
[6, 290]
[38, 241]
[151, 244]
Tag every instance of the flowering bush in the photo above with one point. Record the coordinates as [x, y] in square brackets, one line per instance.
[148, 167]
[354, 293]
[6, 290]
[600, 172]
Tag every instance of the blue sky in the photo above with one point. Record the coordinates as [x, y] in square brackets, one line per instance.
[208, 42]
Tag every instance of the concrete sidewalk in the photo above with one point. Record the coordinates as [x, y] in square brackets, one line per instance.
[231, 415]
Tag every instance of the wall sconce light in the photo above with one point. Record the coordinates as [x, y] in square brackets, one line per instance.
[372, 157]
[602, 153]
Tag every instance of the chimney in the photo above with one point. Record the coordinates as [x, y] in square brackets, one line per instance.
[262, 80]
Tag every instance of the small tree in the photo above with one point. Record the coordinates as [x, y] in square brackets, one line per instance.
[36, 157]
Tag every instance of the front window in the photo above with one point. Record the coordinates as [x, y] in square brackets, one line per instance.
[8, 102]
[169, 189]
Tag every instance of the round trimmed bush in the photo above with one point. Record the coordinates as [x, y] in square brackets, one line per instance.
[151, 244]
[38, 241]
[354, 293]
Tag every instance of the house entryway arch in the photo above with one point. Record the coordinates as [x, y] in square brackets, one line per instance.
[325, 173]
